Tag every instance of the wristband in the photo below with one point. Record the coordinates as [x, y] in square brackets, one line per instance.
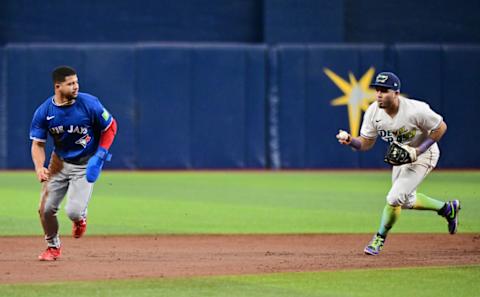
[425, 145]
[355, 143]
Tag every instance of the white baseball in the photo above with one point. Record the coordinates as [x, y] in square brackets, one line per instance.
[342, 135]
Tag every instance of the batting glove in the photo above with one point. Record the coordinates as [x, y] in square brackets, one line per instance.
[95, 164]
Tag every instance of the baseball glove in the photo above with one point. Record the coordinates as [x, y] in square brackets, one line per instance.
[399, 154]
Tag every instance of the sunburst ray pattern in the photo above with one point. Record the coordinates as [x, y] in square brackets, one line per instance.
[357, 96]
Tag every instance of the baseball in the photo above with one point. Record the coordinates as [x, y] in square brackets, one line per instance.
[342, 135]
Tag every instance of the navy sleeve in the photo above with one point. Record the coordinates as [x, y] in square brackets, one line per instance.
[39, 128]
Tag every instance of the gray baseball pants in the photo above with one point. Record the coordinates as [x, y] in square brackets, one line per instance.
[66, 180]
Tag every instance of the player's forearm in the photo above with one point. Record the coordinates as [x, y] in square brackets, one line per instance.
[107, 137]
[438, 133]
[38, 154]
[357, 143]
[362, 144]
[433, 137]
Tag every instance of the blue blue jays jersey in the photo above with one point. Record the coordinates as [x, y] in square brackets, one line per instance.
[75, 128]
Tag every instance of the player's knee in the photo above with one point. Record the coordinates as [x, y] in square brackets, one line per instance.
[73, 213]
[396, 199]
[47, 211]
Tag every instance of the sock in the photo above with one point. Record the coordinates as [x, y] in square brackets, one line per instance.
[53, 241]
[424, 202]
[389, 217]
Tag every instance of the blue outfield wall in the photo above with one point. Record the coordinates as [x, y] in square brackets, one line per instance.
[241, 106]
[311, 77]
[200, 106]
[178, 106]
[3, 112]
[308, 122]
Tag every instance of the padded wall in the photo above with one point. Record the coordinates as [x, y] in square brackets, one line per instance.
[177, 106]
[205, 106]
[443, 76]
[461, 106]
[3, 112]
[208, 106]
[308, 121]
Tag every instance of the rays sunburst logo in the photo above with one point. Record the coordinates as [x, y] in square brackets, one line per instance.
[357, 96]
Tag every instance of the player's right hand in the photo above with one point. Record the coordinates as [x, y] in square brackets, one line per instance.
[344, 137]
[42, 174]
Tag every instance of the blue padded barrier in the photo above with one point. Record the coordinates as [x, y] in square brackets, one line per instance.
[205, 105]
[178, 106]
[442, 76]
[308, 121]
[255, 107]
[420, 68]
[461, 107]
[292, 101]
[163, 91]
[29, 83]
[104, 71]
[218, 105]
[3, 113]
[200, 98]
[109, 73]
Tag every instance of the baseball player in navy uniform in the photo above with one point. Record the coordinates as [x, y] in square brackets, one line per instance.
[82, 131]
[417, 129]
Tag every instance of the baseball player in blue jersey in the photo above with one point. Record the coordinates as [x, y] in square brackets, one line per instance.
[82, 131]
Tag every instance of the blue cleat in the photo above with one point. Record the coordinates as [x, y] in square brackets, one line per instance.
[451, 215]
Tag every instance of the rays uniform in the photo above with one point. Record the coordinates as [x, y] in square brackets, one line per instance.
[411, 125]
[76, 131]
[414, 125]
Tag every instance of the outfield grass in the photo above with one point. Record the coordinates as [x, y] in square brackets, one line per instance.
[418, 282]
[240, 202]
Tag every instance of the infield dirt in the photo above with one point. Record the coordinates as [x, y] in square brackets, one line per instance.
[127, 257]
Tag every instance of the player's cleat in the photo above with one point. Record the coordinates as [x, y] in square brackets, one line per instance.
[79, 228]
[375, 245]
[50, 254]
[451, 214]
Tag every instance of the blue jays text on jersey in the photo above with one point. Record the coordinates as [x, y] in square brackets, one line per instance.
[75, 128]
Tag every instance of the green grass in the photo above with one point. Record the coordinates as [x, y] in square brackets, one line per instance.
[254, 202]
[240, 202]
[418, 282]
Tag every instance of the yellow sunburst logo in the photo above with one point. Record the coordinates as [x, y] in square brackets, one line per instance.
[357, 96]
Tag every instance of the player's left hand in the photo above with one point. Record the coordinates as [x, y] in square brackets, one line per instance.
[412, 152]
[399, 154]
[95, 164]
